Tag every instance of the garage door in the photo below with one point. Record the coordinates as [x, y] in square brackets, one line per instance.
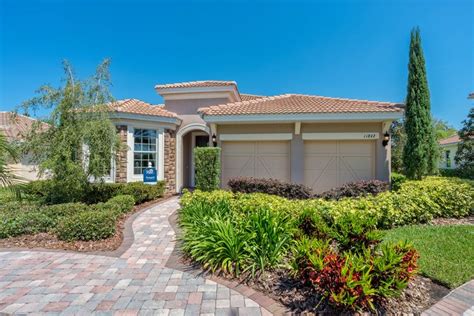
[329, 164]
[260, 159]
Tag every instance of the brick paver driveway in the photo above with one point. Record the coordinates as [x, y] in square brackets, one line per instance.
[137, 282]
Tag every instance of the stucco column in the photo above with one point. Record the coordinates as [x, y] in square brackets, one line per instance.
[297, 159]
[382, 155]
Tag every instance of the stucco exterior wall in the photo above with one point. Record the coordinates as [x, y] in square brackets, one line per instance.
[190, 106]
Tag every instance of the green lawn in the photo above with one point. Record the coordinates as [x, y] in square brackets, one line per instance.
[446, 252]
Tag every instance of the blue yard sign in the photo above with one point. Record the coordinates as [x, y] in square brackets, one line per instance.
[149, 176]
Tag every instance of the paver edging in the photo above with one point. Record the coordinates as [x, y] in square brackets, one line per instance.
[457, 302]
[127, 241]
[174, 262]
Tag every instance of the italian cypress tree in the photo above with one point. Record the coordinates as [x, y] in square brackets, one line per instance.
[421, 151]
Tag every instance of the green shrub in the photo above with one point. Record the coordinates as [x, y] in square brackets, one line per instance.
[396, 180]
[88, 225]
[58, 211]
[119, 204]
[97, 192]
[235, 233]
[459, 173]
[142, 192]
[207, 161]
[24, 223]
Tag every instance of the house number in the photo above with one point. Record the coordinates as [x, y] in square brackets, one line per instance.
[369, 136]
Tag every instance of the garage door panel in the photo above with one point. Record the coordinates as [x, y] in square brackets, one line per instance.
[330, 164]
[262, 159]
[238, 148]
[363, 148]
[273, 148]
[359, 163]
[319, 162]
[319, 148]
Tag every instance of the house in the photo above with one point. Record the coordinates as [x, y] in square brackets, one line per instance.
[318, 141]
[15, 127]
[449, 147]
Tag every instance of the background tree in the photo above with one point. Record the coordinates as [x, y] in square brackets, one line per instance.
[399, 138]
[420, 154]
[8, 154]
[465, 154]
[79, 145]
[443, 129]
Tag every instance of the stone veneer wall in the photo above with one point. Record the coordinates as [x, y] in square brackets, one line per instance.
[121, 157]
[170, 161]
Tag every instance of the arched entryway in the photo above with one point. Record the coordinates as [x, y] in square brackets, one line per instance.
[188, 137]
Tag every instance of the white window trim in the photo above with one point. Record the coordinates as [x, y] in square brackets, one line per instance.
[254, 137]
[341, 136]
[131, 177]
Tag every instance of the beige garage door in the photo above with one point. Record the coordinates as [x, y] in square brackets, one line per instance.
[329, 164]
[260, 159]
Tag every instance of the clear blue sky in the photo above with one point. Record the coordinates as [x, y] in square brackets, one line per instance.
[353, 49]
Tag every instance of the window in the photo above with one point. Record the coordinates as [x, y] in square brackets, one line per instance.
[144, 150]
[448, 158]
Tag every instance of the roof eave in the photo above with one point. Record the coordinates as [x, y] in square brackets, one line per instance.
[304, 117]
[145, 117]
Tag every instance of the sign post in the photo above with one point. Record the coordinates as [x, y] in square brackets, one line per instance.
[149, 175]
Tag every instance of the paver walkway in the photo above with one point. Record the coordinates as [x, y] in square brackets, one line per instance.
[459, 302]
[137, 282]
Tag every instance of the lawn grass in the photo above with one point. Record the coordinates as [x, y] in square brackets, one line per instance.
[446, 252]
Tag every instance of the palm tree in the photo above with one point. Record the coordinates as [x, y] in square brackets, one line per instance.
[8, 153]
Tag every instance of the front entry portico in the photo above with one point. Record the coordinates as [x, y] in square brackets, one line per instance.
[188, 137]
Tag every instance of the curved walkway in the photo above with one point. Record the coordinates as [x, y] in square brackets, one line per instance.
[459, 302]
[136, 282]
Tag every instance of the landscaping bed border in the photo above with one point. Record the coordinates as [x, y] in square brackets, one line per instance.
[126, 232]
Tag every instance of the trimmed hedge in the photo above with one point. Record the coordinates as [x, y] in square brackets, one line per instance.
[269, 186]
[355, 189]
[459, 173]
[88, 225]
[207, 162]
[69, 221]
[101, 192]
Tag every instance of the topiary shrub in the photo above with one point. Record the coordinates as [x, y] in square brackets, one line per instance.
[207, 162]
[355, 189]
[396, 180]
[88, 225]
[269, 186]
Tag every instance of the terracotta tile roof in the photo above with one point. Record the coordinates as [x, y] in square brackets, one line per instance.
[248, 97]
[300, 104]
[196, 84]
[135, 106]
[450, 140]
[15, 127]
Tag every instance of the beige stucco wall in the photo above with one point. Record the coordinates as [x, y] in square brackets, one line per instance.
[382, 154]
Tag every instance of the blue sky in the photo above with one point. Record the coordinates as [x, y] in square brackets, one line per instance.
[353, 49]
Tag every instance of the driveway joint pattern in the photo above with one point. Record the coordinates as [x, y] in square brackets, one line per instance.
[136, 282]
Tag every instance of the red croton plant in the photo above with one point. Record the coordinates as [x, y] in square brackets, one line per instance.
[355, 280]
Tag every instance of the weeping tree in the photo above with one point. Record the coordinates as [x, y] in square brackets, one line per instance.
[8, 154]
[78, 146]
[420, 153]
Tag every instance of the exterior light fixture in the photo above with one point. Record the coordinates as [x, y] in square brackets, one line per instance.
[386, 139]
[214, 140]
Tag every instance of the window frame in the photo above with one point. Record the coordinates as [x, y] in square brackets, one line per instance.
[134, 151]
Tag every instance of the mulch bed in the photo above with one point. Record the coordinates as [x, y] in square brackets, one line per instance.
[453, 221]
[50, 241]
